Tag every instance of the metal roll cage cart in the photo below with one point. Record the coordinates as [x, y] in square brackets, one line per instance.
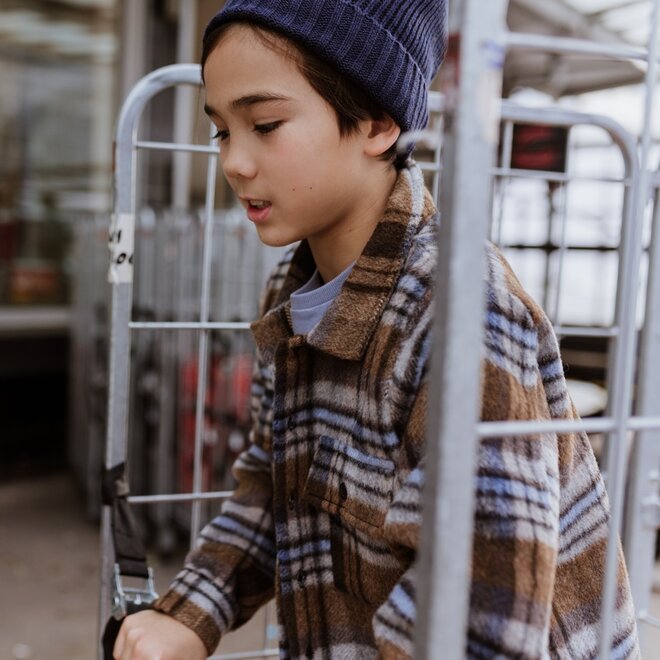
[472, 113]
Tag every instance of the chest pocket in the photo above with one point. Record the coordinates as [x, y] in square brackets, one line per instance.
[355, 490]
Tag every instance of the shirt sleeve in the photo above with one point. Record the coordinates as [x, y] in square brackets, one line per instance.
[231, 572]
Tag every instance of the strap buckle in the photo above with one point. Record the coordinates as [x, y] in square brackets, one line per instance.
[125, 599]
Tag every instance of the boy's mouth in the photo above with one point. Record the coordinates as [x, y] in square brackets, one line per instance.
[258, 210]
[258, 203]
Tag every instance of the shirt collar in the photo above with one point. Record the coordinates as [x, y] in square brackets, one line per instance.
[347, 326]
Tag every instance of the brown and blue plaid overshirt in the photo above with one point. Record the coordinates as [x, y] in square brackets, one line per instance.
[326, 514]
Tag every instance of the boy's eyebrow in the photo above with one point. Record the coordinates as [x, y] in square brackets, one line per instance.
[247, 101]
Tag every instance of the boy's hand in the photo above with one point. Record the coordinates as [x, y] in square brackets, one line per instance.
[151, 635]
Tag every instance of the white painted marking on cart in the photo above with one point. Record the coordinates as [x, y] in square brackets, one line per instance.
[121, 245]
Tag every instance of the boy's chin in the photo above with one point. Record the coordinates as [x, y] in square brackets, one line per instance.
[275, 241]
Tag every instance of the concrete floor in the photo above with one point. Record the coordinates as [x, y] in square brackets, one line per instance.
[49, 578]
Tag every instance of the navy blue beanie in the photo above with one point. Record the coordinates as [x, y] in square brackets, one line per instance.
[390, 48]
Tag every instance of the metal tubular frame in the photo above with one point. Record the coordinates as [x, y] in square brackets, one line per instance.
[576, 47]
[644, 485]
[203, 350]
[444, 560]
[443, 598]
[643, 496]
[126, 148]
[442, 606]
[623, 357]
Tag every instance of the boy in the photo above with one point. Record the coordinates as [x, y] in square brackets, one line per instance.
[309, 98]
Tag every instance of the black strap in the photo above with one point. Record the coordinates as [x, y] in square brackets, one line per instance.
[130, 554]
[129, 548]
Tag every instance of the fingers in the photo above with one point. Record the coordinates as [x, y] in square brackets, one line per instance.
[133, 643]
[150, 635]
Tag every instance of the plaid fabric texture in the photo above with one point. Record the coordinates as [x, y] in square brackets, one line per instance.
[326, 515]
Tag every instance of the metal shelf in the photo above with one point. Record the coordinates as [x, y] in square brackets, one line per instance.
[34, 320]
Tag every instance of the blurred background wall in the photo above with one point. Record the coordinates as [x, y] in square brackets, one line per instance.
[65, 66]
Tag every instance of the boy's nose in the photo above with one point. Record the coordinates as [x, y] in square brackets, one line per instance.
[237, 164]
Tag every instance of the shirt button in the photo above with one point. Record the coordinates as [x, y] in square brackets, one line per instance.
[301, 578]
[292, 501]
[343, 491]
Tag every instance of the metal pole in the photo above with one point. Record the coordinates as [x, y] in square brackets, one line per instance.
[502, 184]
[575, 47]
[472, 124]
[624, 357]
[639, 537]
[202, 362]
[134, 23]
[184, 101]
[644, 481]
[562, 207]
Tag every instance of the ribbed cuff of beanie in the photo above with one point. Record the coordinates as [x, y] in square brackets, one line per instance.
[358, 40]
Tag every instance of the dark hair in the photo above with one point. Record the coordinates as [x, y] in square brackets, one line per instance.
[350, 103]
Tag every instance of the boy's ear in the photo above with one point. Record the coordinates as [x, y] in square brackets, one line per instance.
[381, 134]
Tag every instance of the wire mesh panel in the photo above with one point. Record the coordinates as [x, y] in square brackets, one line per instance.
[477, 37]
[153, 289]
[642, 510]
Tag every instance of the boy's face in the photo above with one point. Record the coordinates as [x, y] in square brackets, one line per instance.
[281, 150]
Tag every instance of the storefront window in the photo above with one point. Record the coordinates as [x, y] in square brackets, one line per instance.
[58, 63]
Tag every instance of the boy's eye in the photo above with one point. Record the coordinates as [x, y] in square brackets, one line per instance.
[264, 129]
[221, 135]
